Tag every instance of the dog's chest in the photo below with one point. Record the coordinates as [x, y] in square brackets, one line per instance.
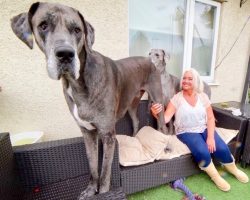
[81, 122]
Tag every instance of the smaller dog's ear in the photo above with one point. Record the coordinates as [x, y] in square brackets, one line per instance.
[89, 32]
[166, 56]
[22, 29]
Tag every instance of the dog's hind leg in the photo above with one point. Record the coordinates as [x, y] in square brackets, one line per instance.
[133, 115]
[132, 110]
[91, 144]
[108, 141]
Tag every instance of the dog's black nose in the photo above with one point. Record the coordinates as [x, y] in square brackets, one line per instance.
[65, 54]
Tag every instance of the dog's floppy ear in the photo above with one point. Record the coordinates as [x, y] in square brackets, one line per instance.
[89, 32]
[21, 28]
[166, 56]
[21, 25]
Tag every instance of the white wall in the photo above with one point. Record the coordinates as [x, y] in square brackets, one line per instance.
[230, 75]
[31, 101]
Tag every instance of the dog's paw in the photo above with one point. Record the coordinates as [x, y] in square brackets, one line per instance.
[103, 188]
[88, 192]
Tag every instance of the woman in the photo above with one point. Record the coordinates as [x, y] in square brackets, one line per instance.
[195, 127]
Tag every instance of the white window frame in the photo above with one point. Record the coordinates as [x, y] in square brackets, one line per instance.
[189, 36]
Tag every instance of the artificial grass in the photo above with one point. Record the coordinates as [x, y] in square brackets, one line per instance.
[200, 184]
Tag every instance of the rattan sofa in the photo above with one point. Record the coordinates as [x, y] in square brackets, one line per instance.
[138, 178]
[54, 170]
[59, 169]
[245, 161]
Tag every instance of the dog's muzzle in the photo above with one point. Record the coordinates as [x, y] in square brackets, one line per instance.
[67, 62]
[65, 55]
[63, 60]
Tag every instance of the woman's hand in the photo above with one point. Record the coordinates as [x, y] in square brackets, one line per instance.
[156, 108]
[210, 129]
[211, 144]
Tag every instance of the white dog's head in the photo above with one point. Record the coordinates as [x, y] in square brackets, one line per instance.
[160, 58]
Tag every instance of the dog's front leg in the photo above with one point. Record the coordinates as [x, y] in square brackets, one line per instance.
[108, 141]
[161, 126]
[154, 90]
[91, 144]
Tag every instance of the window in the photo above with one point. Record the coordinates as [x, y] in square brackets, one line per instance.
[186, 29]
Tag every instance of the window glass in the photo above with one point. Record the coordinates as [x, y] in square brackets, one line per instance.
[186, 29]
[203, 38]
[158, 24]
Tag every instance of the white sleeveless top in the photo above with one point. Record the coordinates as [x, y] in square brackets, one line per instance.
[190, 118]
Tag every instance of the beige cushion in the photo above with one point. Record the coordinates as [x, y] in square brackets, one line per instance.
[131, 151]
[149, 145]
[227, 134]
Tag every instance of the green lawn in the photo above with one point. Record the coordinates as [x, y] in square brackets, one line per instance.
[200, 184]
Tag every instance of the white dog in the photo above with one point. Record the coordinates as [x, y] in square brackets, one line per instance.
[170, 83]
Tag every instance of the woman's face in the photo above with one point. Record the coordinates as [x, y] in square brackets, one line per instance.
[187, 81]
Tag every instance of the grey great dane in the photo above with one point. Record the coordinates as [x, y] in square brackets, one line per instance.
[98, 90]
[170, 83]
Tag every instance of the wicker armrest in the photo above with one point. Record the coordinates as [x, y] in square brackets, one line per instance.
[6, 158]
[225, 119]
[9, 182]
[49, 162]
[54, 161]
[246, 151]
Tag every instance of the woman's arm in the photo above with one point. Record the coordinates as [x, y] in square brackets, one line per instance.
[210, 129]
[168, 114]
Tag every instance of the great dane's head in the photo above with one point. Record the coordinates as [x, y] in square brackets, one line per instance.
[61, 33]
[160, 58]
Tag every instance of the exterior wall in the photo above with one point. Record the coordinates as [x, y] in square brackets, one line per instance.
[230, 75]
[30, 100]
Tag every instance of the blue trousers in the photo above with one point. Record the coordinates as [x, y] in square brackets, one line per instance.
[196, 142]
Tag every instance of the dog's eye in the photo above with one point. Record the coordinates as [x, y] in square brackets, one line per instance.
[157, 55]
[43, 26]
[77, 30]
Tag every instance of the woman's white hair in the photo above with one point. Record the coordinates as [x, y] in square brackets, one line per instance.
[197, 82]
